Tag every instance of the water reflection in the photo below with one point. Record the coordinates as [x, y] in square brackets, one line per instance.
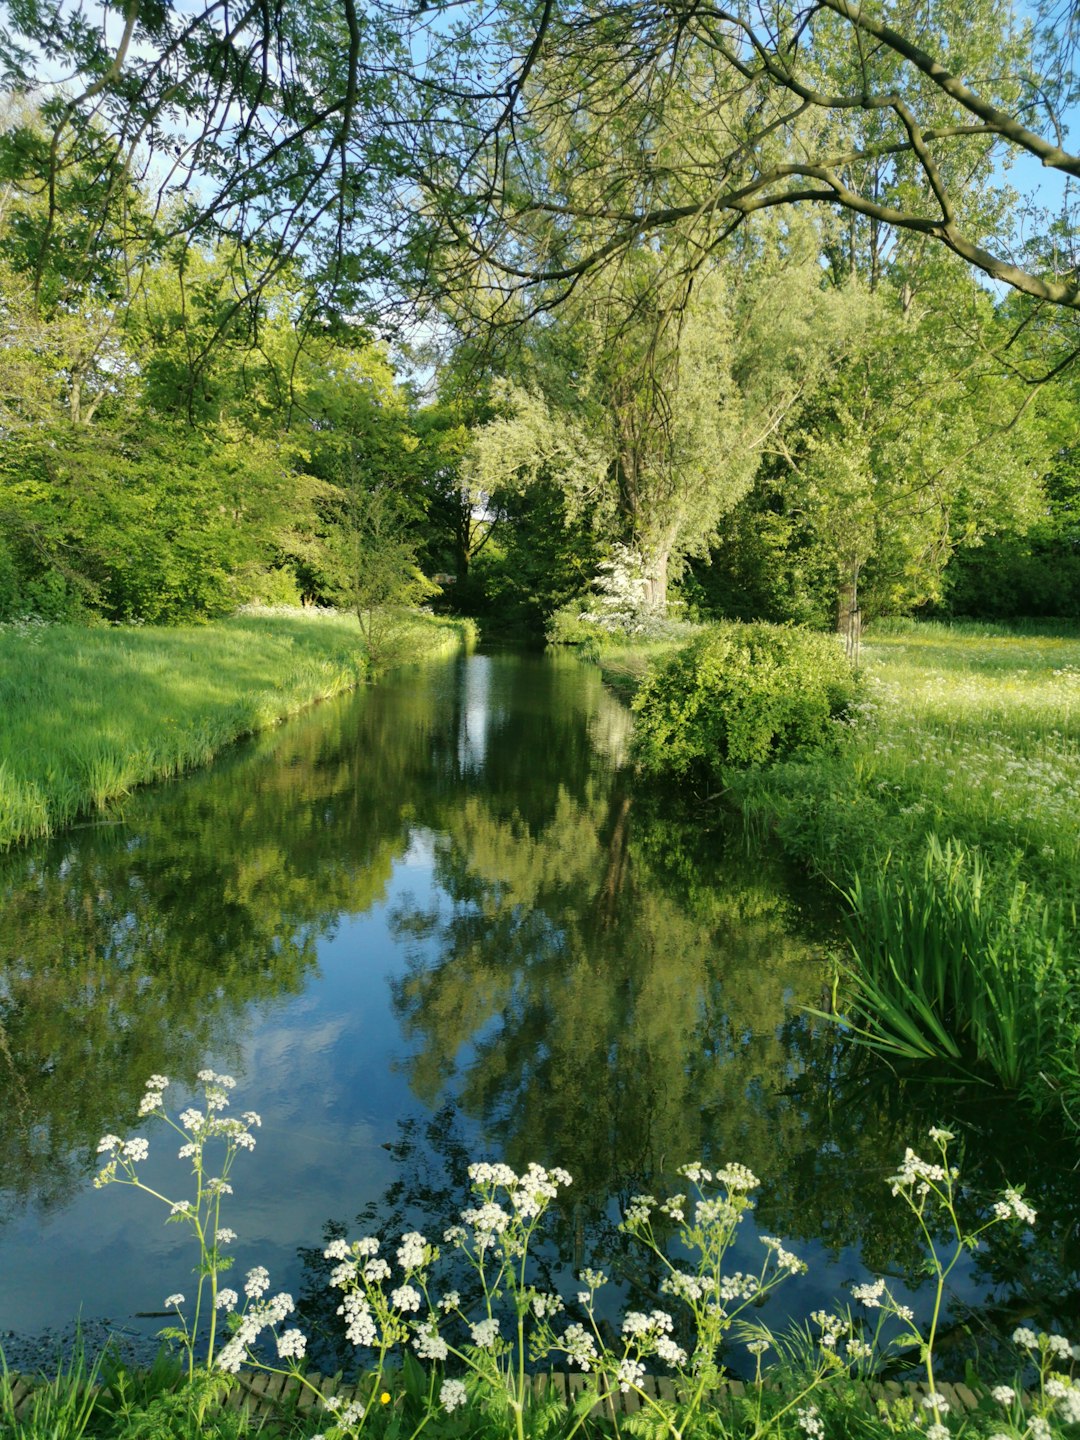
[439, 917]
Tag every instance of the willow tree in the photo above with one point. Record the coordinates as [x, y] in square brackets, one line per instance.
[354, 137]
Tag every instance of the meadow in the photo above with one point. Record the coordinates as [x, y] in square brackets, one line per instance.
[90, 713]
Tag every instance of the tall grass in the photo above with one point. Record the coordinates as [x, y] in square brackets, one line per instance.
[950, 824]
[88, 714]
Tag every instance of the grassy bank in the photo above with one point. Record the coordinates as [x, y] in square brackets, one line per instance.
[947, 821]
[88, 714]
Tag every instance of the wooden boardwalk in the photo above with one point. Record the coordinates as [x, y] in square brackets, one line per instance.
[266, 1395]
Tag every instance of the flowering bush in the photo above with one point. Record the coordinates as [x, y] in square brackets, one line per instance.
[390, 1302]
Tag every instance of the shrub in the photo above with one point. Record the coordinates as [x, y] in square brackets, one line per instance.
[742, 695]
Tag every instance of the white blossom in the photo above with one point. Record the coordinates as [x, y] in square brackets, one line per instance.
[410, 1253]
[737, 1177]
[292, 1345]
[580, 1346]
[258, 1282]
[429, 1343]
[405, 1297]
[173, 1302]
[452, 1394]
[485, 1333]
[359, 1321]
[1014, 1206]
[226, 1299]
[810, 1422]
[869, 1295]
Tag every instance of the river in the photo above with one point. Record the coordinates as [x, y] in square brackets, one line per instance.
[435, 921]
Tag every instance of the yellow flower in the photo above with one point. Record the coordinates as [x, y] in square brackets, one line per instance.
[384, 1398]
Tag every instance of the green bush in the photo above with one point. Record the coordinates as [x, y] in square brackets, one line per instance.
[742, 695]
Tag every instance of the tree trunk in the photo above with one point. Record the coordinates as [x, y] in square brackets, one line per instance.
[656, 576]
[849, 616]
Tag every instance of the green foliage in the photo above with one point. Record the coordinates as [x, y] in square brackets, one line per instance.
[742, 695]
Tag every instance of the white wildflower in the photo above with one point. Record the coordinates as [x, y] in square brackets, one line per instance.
[630, 1374]
[737, 1177]
[869, 1295]
[359, 1321]
[258, 1282]
[405, 1297]
[1014, 1206]
[810, 1422]
[410, 1253]
[173, 1302]
[429, 1343]
[485, 1333]
[226, 1299]
[452, 1394]
[292, 1345]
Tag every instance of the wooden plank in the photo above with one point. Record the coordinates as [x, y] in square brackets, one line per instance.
[557, 1383]
[665, 1388]
[275, 1387]
[606, 1404]
[631, 1402]
[966, 1397]
[576, 1384]
[21, 1397]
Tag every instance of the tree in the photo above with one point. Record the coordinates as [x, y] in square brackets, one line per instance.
[855, 108]
[357, 139]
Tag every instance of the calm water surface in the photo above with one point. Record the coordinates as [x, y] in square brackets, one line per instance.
[429, 923]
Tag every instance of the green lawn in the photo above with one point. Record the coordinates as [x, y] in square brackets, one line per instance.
[90, 713]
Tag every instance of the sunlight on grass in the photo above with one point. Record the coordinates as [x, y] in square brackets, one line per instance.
[91, 713]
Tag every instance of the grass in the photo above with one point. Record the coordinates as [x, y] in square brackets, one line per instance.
[89, 714]
[949, 824]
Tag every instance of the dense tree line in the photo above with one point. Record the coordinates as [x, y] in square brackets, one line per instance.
[697, 297]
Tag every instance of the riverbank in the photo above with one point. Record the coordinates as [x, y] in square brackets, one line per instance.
[947, 822]
[89, 714]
